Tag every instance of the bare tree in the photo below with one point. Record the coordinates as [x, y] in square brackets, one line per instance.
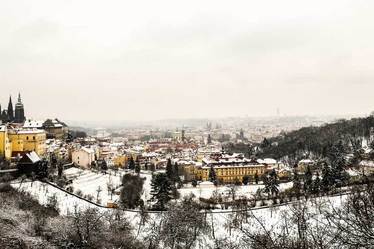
[184, 225]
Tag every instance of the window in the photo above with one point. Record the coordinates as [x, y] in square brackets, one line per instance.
[27, 138]
[33, 137]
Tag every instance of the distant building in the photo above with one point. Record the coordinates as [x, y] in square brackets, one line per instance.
[83, 157]
[228, 168]
[54, 128]
[230, 173]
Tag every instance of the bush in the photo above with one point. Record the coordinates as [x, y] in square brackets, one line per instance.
[194, 183]
[5, 187]
[52, 203]
[70, 189]
[79, 192]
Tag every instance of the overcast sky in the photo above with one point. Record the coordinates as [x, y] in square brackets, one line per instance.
[144, 60]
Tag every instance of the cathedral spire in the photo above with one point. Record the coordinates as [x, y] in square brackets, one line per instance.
[19, 98]
[10, 110]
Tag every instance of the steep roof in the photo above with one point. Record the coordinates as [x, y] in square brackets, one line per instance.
[31, 157]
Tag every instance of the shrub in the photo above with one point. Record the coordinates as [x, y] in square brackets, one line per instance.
[5, 187]
[79, 192]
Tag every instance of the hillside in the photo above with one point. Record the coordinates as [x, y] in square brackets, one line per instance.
[315, 141]
[22, 219]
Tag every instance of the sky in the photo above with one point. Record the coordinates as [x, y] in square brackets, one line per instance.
[146, 60]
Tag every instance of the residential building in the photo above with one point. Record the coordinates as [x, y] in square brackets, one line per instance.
[83, 157]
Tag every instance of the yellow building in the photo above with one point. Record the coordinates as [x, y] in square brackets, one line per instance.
[229, 173]
[5, 144]
[27, 140]
[120, 161]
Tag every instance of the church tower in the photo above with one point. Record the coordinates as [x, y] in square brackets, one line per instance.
[10, 110]
[19, 111]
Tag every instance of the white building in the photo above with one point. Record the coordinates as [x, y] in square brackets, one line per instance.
[83, 157]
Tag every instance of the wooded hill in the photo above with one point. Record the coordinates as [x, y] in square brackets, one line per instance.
[316, 141]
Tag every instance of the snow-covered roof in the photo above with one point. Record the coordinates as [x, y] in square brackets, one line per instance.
[33, 124]
[88, 150]
[367, 163]
[30, 131]
[235, 166]
[34, 158]
[207, 183]
[267, 161]
[2, 128]
[306, 161]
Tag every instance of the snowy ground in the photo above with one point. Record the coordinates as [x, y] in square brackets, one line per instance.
[206, 189]
[41, 191]
[271, 217]
[89, 182]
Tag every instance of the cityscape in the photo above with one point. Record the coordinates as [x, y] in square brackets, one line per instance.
[201, 125]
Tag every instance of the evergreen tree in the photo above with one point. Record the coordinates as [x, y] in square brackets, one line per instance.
[131, 164]
[245, 180]
[162, 191]
[60, 168]
[327, 178]
[177, 178]
[308, 179]
[265, 143]
[271, 183]
[104, 166]
[170, 170]
[131, 192]
[336, 155]
[153, 167]
[137, 166]
[256, 178]
[296, 184]
[212, 174]
[194, 183]
[316, 185]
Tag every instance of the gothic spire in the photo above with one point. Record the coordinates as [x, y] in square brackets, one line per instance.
[10, 110]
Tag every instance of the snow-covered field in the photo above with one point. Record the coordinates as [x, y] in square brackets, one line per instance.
[89, 182]
[206, 189]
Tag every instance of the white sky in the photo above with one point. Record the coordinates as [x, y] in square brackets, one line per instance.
[143, 60]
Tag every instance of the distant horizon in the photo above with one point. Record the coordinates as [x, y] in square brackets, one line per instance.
[118, 123]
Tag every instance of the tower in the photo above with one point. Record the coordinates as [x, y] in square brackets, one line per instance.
[10, 110]
[19, 116]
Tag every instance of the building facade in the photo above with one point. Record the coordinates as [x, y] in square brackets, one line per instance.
[230, 173]
[5, 144]
[83, 157]
[24, 141]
